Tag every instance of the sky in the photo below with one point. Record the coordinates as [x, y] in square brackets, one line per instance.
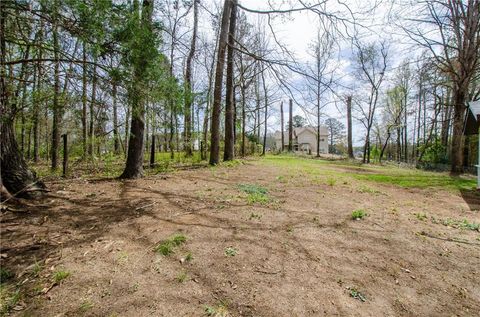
[297, 31]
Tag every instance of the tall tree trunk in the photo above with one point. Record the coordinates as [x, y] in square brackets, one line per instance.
[290, 126]
[282, 126]
[459, 97]
[116, 142]
[188, 84]
[84, 102]
[217, 94]
[228, 153]
[14, 173]
[244, 120]
[57, 111]
[134, 164]
[91, 132]
[349, 127]
[266, 113]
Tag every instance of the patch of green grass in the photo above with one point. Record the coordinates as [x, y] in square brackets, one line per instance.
[358, 214]
[459, 224]
[179, 239]
[219, 310]
[167, 247]
[387, 174]
[5, 275]
[252, 189]
[182, 277]
[368, 190]
[59, 276]
[255, 193]
[331, 181]
[255, 216]
[8, 299]
[421, 216]
[419, 179]
[188, 257]
[357, 295]
[231, 251]
[85, 305]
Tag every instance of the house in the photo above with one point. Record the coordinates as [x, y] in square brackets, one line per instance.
[304, 139]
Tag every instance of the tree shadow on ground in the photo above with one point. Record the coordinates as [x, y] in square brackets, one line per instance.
[471, 197]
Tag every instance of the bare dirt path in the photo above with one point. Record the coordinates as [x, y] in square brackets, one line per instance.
[298, 253]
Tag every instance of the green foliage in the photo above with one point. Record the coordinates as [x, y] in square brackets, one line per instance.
[231, 251]
[435, 152]
[59, 276]
[5, 275]
[189, 257]
[167, 247]
[460, 224]
[182, 277]
[358, 214]
[357, 295]
[255, 193]
[421, 216]
[85, 305]
[8, 299]
[219, 310]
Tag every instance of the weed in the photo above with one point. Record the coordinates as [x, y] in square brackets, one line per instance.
[182, 277]
[255, 193]
[358, 214]
[5, 275]
[8, 300]
[357, 295]
[421, 216]
[257, 198]
[331, 181]
[255, 216]
[37, 268]
[167, 247]
[189, 257]
[219, 310]
[122, 257]
[60, 275]
[368, 190]
[289, 228]
[231, 251]
[460, 224]
[86, 305]
[179, 239]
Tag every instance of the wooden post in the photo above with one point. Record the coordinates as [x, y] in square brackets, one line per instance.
[349, 127]
[282, 127]
[65, 155]
[152, 151]
[290, 127]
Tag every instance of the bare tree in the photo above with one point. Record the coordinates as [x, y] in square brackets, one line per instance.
[450, 30]
[371, 62]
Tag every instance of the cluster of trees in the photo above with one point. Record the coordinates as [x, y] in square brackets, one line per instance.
[418, 114]
[140, 75]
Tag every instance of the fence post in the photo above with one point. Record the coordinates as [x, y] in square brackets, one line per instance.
[65, 155]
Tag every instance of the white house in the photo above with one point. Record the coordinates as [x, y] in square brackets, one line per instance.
[304, 139]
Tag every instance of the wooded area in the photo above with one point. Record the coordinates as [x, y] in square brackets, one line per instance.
[239, 158]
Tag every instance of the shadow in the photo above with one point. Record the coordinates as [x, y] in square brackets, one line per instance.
[472, 198]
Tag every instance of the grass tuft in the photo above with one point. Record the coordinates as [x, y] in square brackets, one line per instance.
[358, 214]
[60, 275]
[167, 247]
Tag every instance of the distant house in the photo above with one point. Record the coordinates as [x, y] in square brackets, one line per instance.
[304, 139]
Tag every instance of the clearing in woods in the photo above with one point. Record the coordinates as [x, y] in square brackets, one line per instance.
[278, 236]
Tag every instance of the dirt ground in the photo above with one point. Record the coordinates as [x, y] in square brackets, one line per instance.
[298, 254]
